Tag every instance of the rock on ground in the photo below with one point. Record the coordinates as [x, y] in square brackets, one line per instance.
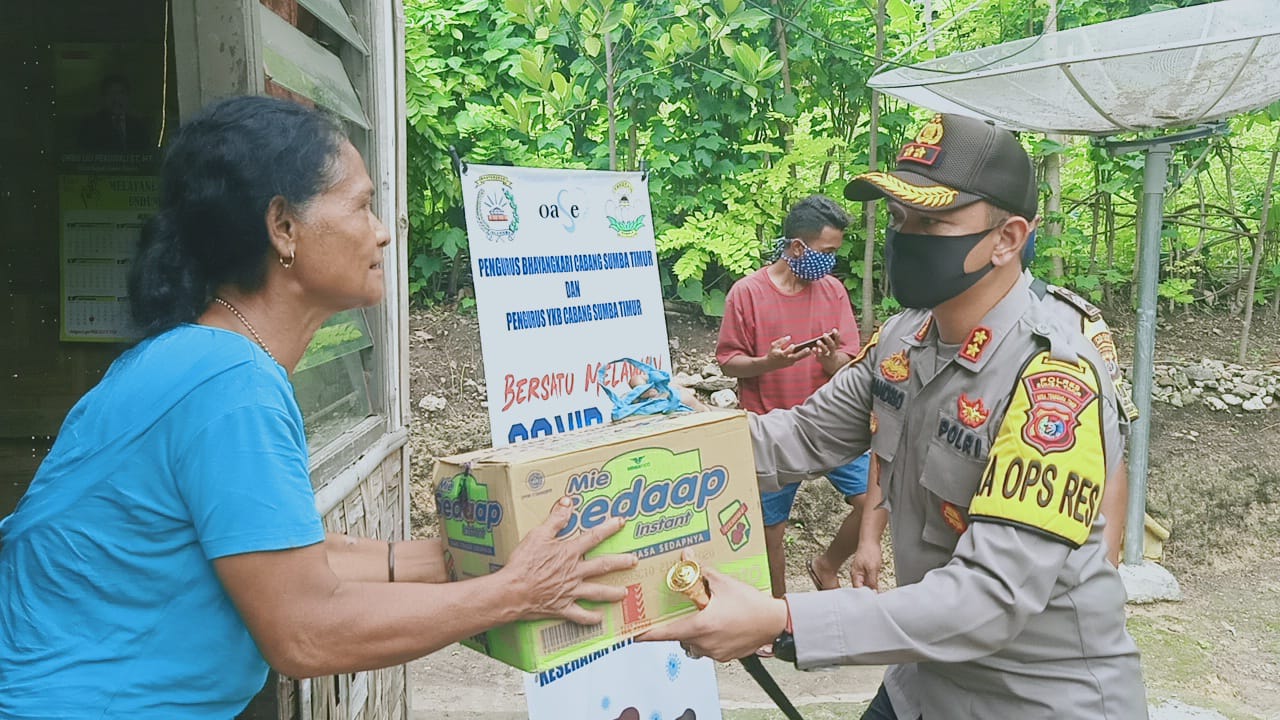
[1149, 582]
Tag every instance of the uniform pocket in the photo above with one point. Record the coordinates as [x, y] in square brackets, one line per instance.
[950, 479]
[886, 433]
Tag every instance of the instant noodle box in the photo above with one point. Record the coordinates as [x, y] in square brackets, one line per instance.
[681, 481]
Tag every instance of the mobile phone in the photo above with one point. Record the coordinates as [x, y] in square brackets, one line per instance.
[808, 343]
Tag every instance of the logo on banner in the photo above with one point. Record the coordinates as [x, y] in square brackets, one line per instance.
[496, 210]
[622, 216]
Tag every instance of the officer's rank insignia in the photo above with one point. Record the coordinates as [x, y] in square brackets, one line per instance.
[954, 518]
[923, 332]
[1057, 399]
[976, 344]
[896, 367]
[926, 149]
[972, 412]
[874, 423]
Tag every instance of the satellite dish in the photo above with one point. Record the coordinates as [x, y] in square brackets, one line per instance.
[1159, 70]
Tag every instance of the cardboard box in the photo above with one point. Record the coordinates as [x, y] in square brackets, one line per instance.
[682, 481]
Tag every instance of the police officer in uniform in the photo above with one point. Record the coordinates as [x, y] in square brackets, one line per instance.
[996, 424]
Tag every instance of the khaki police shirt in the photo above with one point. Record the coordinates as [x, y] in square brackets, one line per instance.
[992, 464]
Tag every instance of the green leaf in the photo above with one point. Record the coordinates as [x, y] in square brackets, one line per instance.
[517, 8]
[713, 303]
[690, 291]
[1041, 147]
[731, 6]
[592, 45]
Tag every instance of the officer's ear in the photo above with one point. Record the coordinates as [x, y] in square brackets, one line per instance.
[1011, 237]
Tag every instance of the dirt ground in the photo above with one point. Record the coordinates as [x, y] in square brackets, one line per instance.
[1214, 482]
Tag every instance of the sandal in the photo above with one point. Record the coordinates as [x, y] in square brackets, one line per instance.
[817, 581]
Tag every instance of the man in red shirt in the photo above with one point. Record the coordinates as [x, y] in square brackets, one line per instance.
[769, 317]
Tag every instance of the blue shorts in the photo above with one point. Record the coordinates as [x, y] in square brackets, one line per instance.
[850, 480]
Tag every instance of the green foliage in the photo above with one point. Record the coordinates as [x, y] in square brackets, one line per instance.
[734, 130]
[738, 238]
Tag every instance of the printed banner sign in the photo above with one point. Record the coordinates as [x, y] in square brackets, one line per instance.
[641, 681]
[566, 280]
[566, 277]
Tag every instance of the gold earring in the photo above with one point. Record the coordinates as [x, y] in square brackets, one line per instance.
[292, 258]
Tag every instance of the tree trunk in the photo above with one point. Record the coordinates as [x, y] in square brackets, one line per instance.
[869, 209]
[927, 13]
[1257, 250]
[611, 101]
[780, 32]
[1093, 236]
[1109, 219]
[633, 139]
[1053, 172]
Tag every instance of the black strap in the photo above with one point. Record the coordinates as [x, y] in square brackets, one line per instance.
[757, 671]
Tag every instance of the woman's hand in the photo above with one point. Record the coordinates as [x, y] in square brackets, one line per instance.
[553, 576]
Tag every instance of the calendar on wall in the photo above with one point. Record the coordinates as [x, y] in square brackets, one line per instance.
[101, 218]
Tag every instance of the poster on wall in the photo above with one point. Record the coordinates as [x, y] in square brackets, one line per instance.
[110, 103]
[100, 221]
[650, 681]
[566, 281]
[109, 99]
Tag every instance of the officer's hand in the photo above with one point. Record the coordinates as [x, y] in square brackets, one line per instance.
[864, 569]
[737, 622]
[783, 353]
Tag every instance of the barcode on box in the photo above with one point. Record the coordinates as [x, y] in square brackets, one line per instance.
[558, 637]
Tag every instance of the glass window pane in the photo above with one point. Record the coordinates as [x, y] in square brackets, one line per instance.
[331, 13]
[298, 63]
[337, 380]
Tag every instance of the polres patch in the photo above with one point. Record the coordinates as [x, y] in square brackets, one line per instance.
[1057, 399]
[1035, 478]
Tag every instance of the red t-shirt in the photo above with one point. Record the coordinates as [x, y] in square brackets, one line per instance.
[756, 313]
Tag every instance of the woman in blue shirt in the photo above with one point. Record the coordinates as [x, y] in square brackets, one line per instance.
[169, 547]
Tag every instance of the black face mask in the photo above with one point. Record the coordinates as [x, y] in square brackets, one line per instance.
[928, 270]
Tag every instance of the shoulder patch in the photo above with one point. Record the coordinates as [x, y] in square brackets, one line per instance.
[862, 353]
[1047, 468]
[1100, 335]
[1085, 307]
[923, 332]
